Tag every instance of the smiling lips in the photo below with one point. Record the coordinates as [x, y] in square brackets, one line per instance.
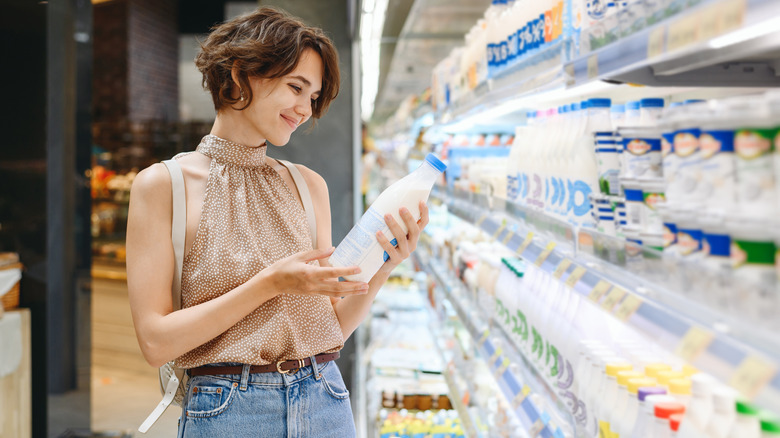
[293, 124]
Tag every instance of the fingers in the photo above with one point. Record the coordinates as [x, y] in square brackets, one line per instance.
[424, 217]
[343, 288]
[389, 248]
[335, 272]
[398, 232]
[315, 254]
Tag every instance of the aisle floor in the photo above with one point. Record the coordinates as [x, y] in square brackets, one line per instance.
[122, 399]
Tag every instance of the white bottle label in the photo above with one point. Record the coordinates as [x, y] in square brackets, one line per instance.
[360, 247]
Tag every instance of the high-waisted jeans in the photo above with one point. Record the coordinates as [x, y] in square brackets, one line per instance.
[313, 402]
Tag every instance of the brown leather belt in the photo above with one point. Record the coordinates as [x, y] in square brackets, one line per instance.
[284, 367]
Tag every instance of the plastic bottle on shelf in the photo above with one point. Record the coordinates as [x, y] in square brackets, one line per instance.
[674, 424]
[723, 416]
[618, 412]
[700, 409]
[664, 377]
[747, 423]
[753, 255]
[685, 188]
[360, 247]
[648, 398]
[628, 421]
[661, 428]
[610, 394]
[770, 425]
[596, 389]
[718, 171]
[617, 115]
[537, 171]
[632, 114]
[650, 111]
[754, 144]
[681, 390]
[606, 147]
[584, 174]
[669, 161]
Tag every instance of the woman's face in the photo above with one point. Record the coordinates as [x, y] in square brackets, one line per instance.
[280, 105]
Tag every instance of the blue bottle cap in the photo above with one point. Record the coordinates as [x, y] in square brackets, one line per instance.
[584, 105]
[575, 106]
[435, 162]
[618, 108]
[632, 105]
[675, 104]
[599, 103]
[651, 103]
[690, 101]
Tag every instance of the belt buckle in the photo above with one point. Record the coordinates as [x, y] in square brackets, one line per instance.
[288, 372]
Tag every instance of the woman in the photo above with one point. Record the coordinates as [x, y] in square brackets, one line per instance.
[254, 292]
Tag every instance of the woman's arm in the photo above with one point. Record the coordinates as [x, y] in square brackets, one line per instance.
[164, 334]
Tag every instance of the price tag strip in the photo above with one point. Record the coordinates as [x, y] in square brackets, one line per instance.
[508, 237]
[502, 368]
[628, 307]
[499, 230]
[694, 343]
[544, 254]
[575, 276]
[613, 297]
[561, 269]
[523, 246]
[752, 374]
[599, 290]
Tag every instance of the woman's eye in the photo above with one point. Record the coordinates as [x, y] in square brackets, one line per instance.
[296, 88]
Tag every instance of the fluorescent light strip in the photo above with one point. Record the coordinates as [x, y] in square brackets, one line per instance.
[748, 33]
[372, 22]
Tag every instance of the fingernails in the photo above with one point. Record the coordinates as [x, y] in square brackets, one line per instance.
[404, 210]
[356, 271]
[388, 216]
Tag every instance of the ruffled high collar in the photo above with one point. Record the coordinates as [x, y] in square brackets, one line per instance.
[226, 151]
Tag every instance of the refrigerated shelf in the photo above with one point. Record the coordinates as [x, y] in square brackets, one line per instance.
[727, 348]
[521, 384]
[715, 43]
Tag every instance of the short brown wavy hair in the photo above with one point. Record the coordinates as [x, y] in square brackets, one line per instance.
[266, 43]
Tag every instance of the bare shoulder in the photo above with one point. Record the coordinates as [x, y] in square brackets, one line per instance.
[315, 182]
[152, 179]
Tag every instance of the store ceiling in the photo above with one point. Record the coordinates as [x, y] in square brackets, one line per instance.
[417, 35]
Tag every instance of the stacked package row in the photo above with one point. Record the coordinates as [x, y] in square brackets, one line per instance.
[698, 182]
[513, 32]
[614, 382]
[510, 33]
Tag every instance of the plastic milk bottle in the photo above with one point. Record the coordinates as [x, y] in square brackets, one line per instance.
[360, 247]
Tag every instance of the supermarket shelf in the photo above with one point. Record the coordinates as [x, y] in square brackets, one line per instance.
[519, 384]
[729, 349]
[540, 72]
[688, 49]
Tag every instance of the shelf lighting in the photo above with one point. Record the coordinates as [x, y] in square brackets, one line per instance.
[746, 34]
[372, 22]
[544, 99]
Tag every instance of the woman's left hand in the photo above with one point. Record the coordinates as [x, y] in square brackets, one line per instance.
[407, 242]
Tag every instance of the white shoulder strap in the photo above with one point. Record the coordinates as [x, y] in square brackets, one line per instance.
[178, 226]
[303, 191]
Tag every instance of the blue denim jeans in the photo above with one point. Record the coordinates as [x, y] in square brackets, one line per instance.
[313, 402]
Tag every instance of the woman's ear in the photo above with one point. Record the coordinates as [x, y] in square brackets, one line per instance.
[234, 72]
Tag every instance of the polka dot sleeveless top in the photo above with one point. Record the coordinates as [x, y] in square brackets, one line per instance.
[250, 219]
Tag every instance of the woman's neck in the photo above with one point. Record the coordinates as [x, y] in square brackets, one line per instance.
[231, 126]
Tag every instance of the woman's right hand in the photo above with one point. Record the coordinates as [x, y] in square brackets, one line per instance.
[295, 275]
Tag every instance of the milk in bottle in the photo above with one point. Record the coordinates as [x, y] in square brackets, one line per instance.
[360, 247]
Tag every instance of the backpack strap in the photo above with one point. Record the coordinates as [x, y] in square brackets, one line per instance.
[303, 191]
[170, 384]
[178, 226]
